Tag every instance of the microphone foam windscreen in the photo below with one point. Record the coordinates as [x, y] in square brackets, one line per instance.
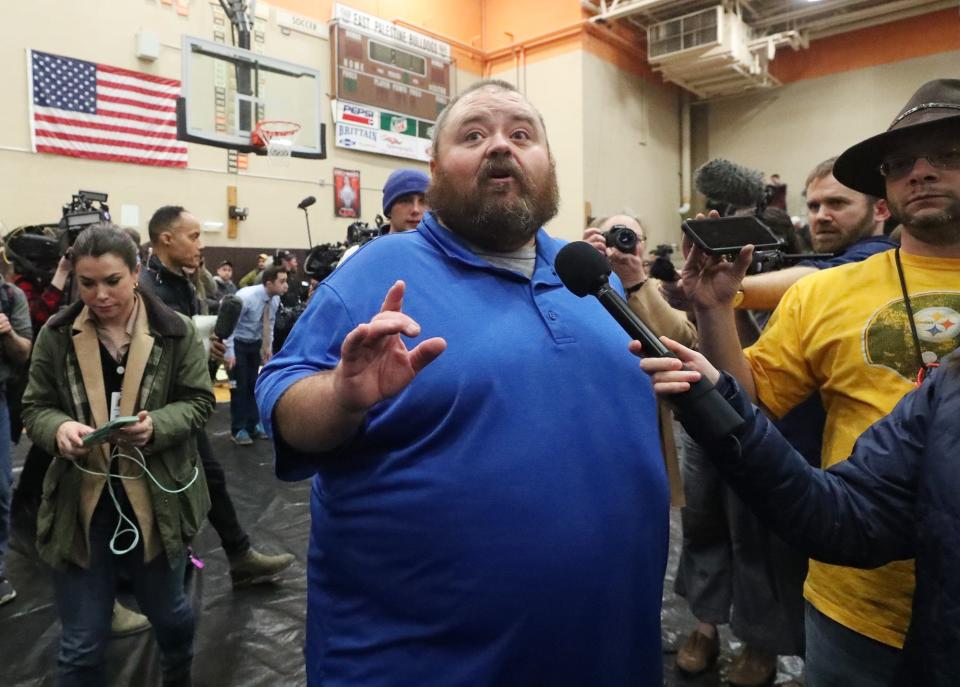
[307, 202]
[726, 182]
[228, 316]
[582, 268]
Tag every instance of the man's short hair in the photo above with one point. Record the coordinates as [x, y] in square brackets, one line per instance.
[271, 273]
[497, 84]
[163, 220]
[225, 263]
[822, 171]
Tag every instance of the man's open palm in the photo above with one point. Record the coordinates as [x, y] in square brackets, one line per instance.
[375, 363]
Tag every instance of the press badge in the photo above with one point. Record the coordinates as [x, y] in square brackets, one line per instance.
[114, 405]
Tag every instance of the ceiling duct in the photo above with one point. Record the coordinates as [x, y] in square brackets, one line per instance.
[711, 52]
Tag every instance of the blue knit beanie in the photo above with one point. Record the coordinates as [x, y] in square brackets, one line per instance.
[401, 183]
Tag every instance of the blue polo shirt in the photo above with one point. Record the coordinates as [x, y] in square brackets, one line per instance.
[504, 519]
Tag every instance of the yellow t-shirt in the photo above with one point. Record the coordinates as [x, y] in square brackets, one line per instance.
[844, 331]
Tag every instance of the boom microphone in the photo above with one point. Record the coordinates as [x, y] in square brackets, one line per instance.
[585, 271]
[306, 202]
[725, 182]
[227, 317]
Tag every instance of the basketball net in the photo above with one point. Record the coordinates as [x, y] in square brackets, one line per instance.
[278, 138]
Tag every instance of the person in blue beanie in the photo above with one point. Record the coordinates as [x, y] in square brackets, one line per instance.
[403, 199]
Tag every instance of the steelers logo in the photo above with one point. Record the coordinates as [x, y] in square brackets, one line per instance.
[889, 343]
[937, 324]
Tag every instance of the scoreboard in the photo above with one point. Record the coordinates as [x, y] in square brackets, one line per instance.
[403, 75]
[373, 72]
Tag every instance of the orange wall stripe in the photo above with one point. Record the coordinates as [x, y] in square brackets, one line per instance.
[926, 34]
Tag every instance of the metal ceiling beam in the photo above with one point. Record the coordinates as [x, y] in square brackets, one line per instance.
[817, 8]
[625, 9]
[910, 7]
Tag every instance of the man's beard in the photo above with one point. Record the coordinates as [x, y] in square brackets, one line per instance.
[488, 218]
[837, 243]
[941, 228]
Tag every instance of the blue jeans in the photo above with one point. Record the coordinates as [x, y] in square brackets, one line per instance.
[84, 599]
[839, 657]
[6, 478]
[243, 402]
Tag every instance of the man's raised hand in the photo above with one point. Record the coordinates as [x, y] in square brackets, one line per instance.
[374, 361]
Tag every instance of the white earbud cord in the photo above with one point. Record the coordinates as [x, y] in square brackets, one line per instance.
[131, 527]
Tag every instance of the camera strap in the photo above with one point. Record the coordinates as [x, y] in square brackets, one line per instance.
[924, 367]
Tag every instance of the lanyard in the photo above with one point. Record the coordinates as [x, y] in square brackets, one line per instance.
[924, 367]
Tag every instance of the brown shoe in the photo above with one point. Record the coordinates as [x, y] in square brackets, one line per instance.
[698, 653]
[126, 622]
[752, 668]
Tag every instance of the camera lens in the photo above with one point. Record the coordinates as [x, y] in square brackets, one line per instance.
[622, 238]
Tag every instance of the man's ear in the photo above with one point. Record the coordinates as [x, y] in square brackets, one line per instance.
[881, 211]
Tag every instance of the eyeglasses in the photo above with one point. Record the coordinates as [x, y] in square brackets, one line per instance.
[900, 166]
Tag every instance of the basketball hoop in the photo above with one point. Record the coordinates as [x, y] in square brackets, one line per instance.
[276, 136]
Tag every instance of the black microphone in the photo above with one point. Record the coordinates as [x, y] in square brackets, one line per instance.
[585, 271]
[227, 317]
[726, 182]
[306, 202]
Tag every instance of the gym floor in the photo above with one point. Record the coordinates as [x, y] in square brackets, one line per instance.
[251, 637]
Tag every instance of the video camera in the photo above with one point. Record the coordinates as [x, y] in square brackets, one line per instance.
[360, 232]
[662, 266]
[323, 258]
[726, 236]
[84, 210]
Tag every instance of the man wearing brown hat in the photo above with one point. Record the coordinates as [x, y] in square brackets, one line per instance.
[862, 334]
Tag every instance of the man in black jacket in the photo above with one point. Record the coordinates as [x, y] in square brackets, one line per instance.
[175, 236]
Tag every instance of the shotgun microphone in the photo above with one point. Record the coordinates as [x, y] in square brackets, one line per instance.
[585, 271]
[227, 316]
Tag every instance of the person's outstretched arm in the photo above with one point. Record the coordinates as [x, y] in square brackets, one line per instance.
[860, 512]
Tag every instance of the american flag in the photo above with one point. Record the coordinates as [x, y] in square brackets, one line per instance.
[96, 111]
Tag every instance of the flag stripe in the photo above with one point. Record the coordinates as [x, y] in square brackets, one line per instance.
[142, 76]
[111, 88]
[118, 111]
[99, 112]
[110, 138]
[103, 97]
[116, 118]
[105, 127]
[158, 162]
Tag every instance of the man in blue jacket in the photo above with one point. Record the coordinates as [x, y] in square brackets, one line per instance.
[484, 513]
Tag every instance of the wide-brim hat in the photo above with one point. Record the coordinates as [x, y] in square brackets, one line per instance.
[933, 103]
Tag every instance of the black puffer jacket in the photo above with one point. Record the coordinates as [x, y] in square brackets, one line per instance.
[897, 497]
[170, 287]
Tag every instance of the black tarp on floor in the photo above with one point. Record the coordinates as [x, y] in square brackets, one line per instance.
[252, 637]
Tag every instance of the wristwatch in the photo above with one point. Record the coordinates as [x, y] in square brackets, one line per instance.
[633, 289]
[738, 298]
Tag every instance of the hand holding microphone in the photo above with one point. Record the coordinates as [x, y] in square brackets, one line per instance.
[584, 271]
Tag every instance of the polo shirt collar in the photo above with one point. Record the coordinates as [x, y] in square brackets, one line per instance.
[451, 246]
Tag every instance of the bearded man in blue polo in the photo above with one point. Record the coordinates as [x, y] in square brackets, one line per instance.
[485, 512]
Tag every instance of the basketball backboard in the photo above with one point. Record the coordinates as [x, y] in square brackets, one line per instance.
[226, 91]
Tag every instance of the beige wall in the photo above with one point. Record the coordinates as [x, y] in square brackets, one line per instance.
[631, 140]
[790, 129]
